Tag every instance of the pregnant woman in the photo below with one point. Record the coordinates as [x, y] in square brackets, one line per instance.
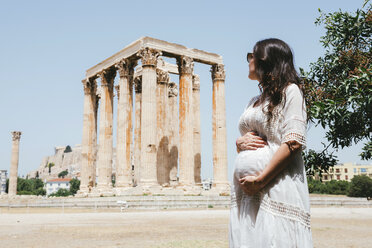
[270, 198]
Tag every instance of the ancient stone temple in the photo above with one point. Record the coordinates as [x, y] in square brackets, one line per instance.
[158, 121]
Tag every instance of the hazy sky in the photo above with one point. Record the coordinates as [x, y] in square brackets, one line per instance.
[46, 46]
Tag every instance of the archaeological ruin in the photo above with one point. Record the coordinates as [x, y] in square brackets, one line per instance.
[16, 136]
[158, 143]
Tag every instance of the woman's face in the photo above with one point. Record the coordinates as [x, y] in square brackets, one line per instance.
[252, 69]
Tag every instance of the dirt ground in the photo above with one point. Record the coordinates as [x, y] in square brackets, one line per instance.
[39, 228]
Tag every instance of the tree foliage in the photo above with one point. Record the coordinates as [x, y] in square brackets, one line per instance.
[318, 162]
[67, 149]
[62, 174]
[31, 186]
[74, 186]
[50, 165]
[361, 186]
[333, 187]
[339, 85]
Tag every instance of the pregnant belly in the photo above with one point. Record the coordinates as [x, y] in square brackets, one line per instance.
[252, 162]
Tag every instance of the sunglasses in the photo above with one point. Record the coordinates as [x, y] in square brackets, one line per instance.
[249, 57]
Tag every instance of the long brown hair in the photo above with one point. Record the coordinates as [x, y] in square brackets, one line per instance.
[275, 70]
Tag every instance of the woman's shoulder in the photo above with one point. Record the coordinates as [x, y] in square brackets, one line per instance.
[252, 101]
[292, 87]
[293, 90]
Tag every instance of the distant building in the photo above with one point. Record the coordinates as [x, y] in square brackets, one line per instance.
[52, 186]
[347, 171]
[3, 177]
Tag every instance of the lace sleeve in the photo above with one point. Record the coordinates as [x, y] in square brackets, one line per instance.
[294, 117]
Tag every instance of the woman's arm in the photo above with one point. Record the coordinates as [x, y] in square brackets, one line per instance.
[281, 158]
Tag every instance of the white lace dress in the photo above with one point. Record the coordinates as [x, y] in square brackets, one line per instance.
[279, 215]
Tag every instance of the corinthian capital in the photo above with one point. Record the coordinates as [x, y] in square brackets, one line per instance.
[16, 135]
[90, 86]
[149, 56]
[185, 65]
[172, 90]
[218, 72]
[125, 67]
[163, 76]
[107, 77]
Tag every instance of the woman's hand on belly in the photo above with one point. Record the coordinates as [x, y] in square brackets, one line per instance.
[249, 185]
[250, 141]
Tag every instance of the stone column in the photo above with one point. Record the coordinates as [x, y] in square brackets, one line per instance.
[12, 190]
[219, 127]
[137, 130]
[88, 140]
[148, 116]
[124, 124]
[173, 132]
[186, 154]
[196, 111]
[105, 149]
[162, 128]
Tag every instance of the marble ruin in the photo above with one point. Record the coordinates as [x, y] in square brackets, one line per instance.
[157, 139]
[16, 136]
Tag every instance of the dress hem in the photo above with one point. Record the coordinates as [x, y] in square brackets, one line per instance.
[276, 208]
